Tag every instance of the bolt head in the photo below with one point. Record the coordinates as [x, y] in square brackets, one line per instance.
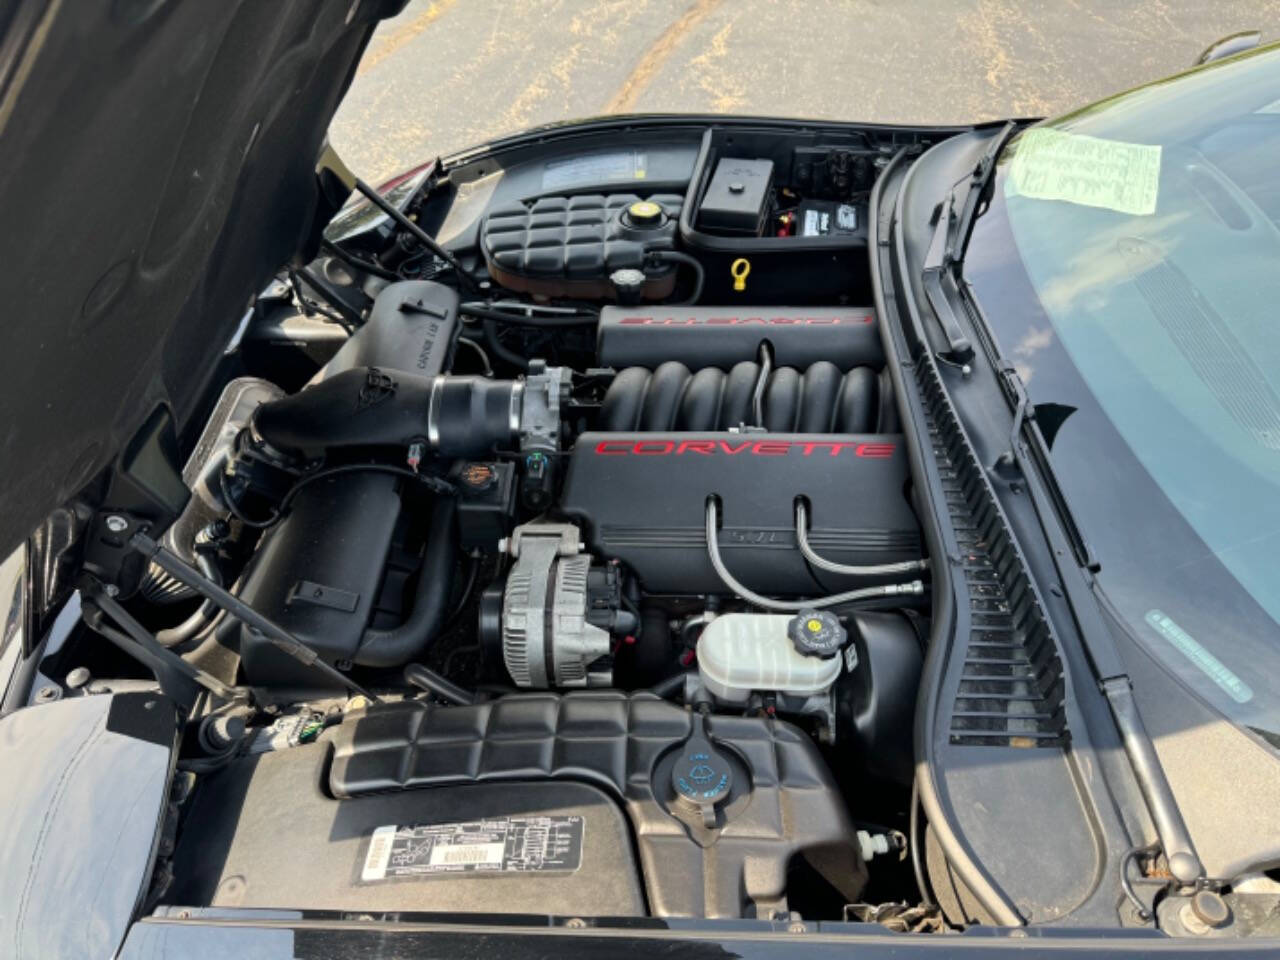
[117, 524]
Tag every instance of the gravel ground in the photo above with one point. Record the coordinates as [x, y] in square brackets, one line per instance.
[445, 74]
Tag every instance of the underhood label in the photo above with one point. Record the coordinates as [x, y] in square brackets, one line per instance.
[595, 168]
[497, 845]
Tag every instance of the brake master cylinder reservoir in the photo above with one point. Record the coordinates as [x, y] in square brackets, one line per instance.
[739, 653]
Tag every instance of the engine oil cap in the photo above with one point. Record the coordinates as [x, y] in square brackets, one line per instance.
[702, 776]
[817, 633]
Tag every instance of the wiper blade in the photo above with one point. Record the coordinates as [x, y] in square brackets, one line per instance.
[977, 193]
[952, 228]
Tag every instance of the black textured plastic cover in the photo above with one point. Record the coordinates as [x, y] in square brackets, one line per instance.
[265, 833]
[783, 801]
[701, 337]
[642, 498]
[573, 238]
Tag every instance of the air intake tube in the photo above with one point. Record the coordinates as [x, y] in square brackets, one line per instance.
[366, 406]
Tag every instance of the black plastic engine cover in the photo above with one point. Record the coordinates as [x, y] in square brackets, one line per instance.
[266, 832]
[702, 337]
[642, 499]
[318, 574]
[783, 802]
[411, 327]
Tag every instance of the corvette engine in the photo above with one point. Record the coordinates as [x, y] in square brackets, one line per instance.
[633, 549]
[720, 457]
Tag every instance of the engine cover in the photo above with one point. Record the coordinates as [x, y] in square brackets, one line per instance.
[642, 499]
[702, 336]
[573, 784]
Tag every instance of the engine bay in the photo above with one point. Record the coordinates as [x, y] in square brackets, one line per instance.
[573, 534]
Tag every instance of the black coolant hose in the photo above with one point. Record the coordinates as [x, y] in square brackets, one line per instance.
[668, 687]
[500, 349]
[429, 681]
[699, 273]
[390, 648]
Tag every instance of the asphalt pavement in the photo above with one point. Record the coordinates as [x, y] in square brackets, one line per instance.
[448, 74]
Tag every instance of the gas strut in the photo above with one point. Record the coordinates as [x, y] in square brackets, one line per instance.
[186, 574]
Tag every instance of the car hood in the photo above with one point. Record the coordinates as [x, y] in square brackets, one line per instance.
[159, 165]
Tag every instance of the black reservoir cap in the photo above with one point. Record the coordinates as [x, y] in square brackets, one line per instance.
[817, 633]
[702, 776]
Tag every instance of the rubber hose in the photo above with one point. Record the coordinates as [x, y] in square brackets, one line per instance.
[699, 273]
[546, 321]
[391, 648]
[426, 679]
[668, 687]
[203, 616]
[501, 350]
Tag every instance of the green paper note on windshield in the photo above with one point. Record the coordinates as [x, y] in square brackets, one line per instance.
[1055, 165]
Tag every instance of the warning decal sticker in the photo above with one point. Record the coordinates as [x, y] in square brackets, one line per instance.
[497, 845]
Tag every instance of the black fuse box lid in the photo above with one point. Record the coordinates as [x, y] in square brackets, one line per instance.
[737, 199]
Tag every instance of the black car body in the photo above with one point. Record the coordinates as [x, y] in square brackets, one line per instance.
[711, 534]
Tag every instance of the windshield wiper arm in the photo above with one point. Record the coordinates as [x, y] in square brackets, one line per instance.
[952, 228]
[976, 194]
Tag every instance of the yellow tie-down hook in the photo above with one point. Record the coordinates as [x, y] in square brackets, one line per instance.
[739, 270]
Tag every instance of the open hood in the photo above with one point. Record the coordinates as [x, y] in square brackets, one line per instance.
[159, 164]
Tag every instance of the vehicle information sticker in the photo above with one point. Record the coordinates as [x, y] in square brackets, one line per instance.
[595, 168]
[1189, 647]
[1075, 168]
[496, 845]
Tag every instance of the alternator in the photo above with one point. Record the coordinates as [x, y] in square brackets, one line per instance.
[559, 612]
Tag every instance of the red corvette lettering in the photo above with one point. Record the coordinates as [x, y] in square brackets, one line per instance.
[757, 448]
[697, 446]
[771, 448]
[654, 448]
[877, 450]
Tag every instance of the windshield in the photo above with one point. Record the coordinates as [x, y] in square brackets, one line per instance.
[1129, 265]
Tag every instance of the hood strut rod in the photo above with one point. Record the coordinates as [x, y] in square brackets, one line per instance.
[184, 573]
[418, 233]
[176, 675]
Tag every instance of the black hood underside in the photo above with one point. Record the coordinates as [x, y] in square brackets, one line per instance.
[159, 164]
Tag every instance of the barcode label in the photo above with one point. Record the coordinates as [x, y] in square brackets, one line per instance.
[379, 855]
[469, 853]
[497, 845]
